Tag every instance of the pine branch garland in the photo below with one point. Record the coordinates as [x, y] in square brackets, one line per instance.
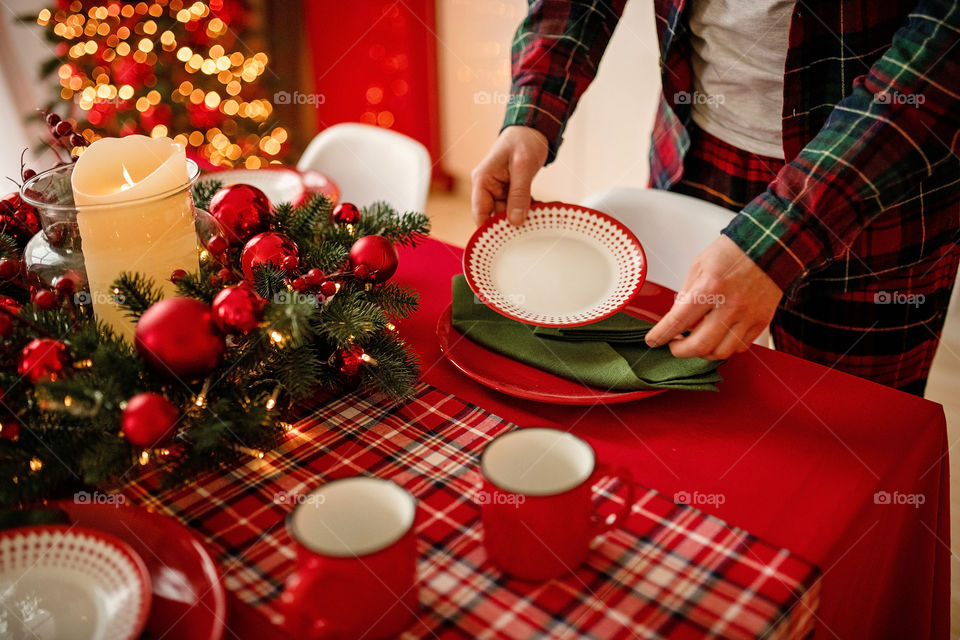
[269, 280]
[203, 192]
[349, 317]
[328, 256]
[135, 294]
[70, 427]
[196, 285]
[8, 246]
[397, 368]
[396, 300]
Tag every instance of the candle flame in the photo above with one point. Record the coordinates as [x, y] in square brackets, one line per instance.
[128, 178]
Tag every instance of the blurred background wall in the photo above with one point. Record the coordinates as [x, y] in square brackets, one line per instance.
[606, 142]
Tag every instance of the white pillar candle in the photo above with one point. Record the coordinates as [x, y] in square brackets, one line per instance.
[134, 213]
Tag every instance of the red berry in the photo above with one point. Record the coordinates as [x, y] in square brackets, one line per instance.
[64, 285]
[77, 140]
[290, 263]
[26, 174]
[361, 271]
[45, 299]
[9, 268]
[315, 277]
[63, 128]
[300, 284]
[225, 275]
[52, 119]
[177, 275]
[217, 245]
[214, 281]
[328, 288]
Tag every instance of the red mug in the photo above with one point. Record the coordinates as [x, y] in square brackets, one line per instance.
[536, 504]
[356, 561]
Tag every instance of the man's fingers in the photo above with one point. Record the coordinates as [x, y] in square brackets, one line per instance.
[683, 315]
[481, 204]
[518, 194]
[703, 340]
[486, 197]
[733, 342]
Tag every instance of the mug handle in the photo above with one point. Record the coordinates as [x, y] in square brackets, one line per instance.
[292, 601]
[617, 518]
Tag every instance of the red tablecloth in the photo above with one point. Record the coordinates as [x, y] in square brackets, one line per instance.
[825, 464]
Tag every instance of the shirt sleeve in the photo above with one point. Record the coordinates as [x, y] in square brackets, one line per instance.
[898, 125]
[554, 56]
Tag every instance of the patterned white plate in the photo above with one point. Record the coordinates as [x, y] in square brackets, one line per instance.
[565, 266]
[65, 583]
[279, 184]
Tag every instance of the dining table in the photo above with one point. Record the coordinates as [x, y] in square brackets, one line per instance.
[843, 480]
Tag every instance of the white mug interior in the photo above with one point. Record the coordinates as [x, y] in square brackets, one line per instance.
[352, 517]
[537, 461]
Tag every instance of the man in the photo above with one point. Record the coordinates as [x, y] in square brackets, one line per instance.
[832, 128]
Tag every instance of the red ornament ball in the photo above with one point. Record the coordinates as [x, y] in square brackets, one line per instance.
[44, 359]
[18, 219]
[149, 420]
[346, 213]
[377, 254]
[45, 299]
[178, 337]
[9, 268]
[64, 285]
[217, 245]
[6, 322]
[237, 309]
[10, 429]
[242, 210]
[267, 248]
[225, 276]
[348, 361]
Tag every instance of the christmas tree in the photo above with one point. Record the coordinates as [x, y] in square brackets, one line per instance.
[164, 68]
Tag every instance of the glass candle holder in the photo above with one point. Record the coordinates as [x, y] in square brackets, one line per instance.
[94, 244]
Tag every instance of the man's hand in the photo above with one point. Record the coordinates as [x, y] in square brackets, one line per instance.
[502, 179]
[732, 295]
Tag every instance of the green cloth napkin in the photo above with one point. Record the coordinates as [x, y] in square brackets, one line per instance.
[609, 354]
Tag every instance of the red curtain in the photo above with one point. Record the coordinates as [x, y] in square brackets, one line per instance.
[375, 61]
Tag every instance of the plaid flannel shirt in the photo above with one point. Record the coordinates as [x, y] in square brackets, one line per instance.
[871, 124]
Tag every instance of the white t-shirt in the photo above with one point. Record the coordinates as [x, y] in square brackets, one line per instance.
[739, 52]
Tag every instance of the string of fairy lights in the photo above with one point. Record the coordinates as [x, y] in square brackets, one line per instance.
[115, 52]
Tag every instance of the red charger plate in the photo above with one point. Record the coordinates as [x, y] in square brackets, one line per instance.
[189, 602]
[503, 374]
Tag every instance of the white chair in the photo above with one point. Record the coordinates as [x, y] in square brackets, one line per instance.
[673, 228]
[369, 164]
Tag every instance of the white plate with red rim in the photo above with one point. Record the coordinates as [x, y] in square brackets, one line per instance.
[67, 582]
[279, 184]
[565, 266]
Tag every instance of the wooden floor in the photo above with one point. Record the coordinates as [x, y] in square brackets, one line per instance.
[450, 217]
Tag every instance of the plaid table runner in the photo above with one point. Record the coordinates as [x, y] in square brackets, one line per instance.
[671, 572]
